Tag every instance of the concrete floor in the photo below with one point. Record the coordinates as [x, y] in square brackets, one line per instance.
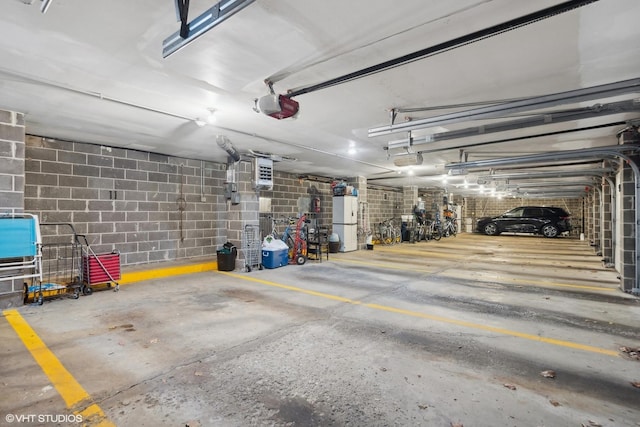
[446, 333]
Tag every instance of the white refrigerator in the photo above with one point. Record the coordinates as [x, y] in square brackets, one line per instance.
[345, 221]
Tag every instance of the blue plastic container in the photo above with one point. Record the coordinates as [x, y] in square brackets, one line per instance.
[275, 258]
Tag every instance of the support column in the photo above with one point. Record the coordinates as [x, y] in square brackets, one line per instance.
[245, 212]
[409, 198]
[12, 147]
[360, 182]
[12, 178]
[628, 240]
[628, 217]
[607, 225]
[591, 233]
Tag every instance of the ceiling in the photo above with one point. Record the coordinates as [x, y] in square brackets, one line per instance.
[94, 71]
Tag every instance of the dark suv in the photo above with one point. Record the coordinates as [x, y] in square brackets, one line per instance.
[548, 221]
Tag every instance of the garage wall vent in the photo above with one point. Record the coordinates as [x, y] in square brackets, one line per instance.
[263, 173]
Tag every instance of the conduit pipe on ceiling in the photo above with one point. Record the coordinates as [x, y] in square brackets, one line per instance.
[609, 152]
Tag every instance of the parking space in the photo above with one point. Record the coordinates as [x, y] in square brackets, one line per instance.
[430, 333]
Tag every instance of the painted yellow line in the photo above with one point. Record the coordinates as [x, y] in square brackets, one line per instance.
[459, 276]
[422, 253]
[292, 288]
[159, 273]
[74, 396]
[502, 279]
[502, 331]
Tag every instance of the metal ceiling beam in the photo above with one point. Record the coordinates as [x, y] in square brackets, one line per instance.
[527, 104]
[206, 21]
[552, 117]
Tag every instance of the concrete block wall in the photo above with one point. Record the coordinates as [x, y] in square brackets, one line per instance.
[150, 207]
[12, 134]
[384, 204]
[288, 189]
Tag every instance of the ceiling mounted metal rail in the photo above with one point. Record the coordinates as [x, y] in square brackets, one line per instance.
[519, 138]
[609, 152]
[538, 185]
[484, 179]
[549, 118]
[446, 46]
[189, 31]
[612, 151]
[527, 104]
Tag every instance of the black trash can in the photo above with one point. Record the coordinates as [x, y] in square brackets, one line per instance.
[227, 257]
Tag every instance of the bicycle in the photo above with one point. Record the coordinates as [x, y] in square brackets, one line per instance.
[389, 234]
[432, 230]
[450, 227]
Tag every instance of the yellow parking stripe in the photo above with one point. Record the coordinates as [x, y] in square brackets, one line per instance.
[455, 275]
[471, 325]
[74, 396]
[383, 265]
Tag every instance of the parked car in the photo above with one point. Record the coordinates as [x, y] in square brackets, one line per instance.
[548, 221]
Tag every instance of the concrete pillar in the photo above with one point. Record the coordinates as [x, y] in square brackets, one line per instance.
[628, 240]
[364, 217]
[591, 232]
[607, 225]
[409, 198]
[12, 173]
[246, 212]
[627, 217]
[12, 147]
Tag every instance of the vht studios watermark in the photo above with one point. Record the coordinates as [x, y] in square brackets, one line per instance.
[43, 418]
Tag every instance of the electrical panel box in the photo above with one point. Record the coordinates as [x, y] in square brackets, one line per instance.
[263, 173]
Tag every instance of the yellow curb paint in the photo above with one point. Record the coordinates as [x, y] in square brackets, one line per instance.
[441, 319]
[160, 273]
[69, 389]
